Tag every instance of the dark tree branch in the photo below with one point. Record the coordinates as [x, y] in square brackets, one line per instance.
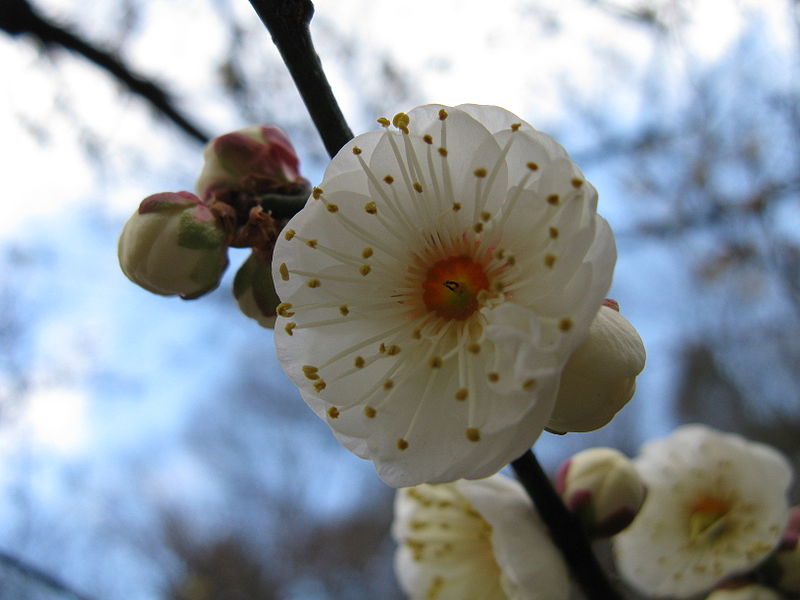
[565, 529]
[46, 579]
[18, 17]
[287, 22]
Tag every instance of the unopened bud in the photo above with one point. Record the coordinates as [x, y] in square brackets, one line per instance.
[254, 291]
[603, 488]
[782, 569]
[173, 245]
[255, 159]
[600, 376]
[746, 591]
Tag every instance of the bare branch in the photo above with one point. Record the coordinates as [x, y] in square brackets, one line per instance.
[19, 17]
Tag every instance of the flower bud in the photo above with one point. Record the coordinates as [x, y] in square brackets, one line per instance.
[255, 292]
[747, 591]
[603, 488]
[782, 569]
[600, 376]
[255, 159]
[173, 245]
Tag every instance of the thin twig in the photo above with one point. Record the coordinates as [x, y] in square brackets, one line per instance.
[565, 530]
[46, 579]
[287, 22]
[18, 17]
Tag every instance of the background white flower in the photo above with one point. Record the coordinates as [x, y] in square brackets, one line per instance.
[434, 286]
[716, 506]
[475, 540]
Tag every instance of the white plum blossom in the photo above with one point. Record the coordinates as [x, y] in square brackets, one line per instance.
[434, 286]
[716, 506]
[474, 540]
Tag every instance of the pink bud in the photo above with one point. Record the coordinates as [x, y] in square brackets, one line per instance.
[257, 158]
[173, 245]
[602, 487]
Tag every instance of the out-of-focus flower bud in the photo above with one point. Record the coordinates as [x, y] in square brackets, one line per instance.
[255, 292]
[255, 159]
[782, 569]
[746, 591]
[173, 245]
[600, 376]
[603, 488]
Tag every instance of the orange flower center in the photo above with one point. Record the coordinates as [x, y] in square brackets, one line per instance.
[707, 517]
[452, 285]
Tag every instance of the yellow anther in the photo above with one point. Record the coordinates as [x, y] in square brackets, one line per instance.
[313, 283]
[316, 193]
[500, 254]
[473, 435]
[529, 384]
[401, 120]
[515, 126]
[366, 252]
[456, 206]
[371, 208]
[553, 232]
[511, 261]
[332, 208]
[289, 234]
[427, 139]
[401, 444]
[384, 122]
[320, 385]
[283, 309]
[310, 372]
[344, 310]
[435, 362]
[553, 199]
[417, 187]
[359, 362]
[364, 270]
[290, 327]
[479, 172]
[392, 350]
[389, 179]
[284, 271]
[477, 228]
[311, 243]
[462, 394]
[356, 150]
[493, 377]
[565, 324]
[576, 183]
[549, 260]
[388, 384]
[370, 412]
[442, 151]
[442, 114]
[382, 348]
[333, 412]
[532, 166]
[485, 216]
[474, 348]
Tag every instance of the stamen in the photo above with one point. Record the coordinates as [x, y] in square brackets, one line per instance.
[289, 234]
[316, 193]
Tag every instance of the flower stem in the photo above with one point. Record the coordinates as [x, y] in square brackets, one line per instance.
[287, 22]
[565, 530]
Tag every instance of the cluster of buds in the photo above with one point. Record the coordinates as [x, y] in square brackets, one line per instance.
[177, 243]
